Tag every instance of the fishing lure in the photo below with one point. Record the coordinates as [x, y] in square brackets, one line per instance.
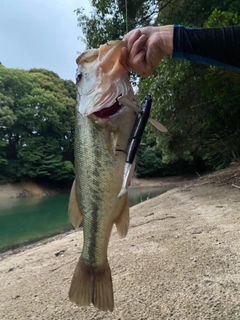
[135, 139]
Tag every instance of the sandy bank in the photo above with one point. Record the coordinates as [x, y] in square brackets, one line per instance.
[21, 189]
[180, 260]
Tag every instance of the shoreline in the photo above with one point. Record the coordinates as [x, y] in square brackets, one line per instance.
[172, 183]
[167, 182]
[31, 189]
[34, 244]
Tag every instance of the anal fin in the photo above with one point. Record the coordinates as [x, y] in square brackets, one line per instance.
[74, 214]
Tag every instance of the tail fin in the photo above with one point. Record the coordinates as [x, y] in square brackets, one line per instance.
[92, 285]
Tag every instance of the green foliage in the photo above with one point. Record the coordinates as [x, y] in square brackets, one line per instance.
[7, 116]
[199, 105]
[202, 120]
[149, 163]
[3, 160]
[108, 19]
[42, 157]
[220, 18]
[36, 125]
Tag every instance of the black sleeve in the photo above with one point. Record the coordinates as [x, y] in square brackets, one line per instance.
[214, 46]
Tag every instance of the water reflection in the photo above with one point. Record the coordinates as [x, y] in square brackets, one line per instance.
[11, 203]
[137, 195]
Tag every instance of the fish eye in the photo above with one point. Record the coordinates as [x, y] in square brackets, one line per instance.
[78, 77]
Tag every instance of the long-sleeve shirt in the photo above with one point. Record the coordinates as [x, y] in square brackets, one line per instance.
[213, 46]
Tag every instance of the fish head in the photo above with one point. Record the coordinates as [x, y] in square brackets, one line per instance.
[101, 79]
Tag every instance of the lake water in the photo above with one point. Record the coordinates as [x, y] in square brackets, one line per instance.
[26, 220]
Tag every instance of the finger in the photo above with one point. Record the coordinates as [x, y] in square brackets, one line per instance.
[137, 47]
[138, 64]
[131, 37]
[141, 66]
[153, 58]
[123, 58]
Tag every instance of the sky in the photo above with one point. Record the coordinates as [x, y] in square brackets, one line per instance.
[41, 34]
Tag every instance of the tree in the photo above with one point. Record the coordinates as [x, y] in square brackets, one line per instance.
[36, 124]
[108, 19]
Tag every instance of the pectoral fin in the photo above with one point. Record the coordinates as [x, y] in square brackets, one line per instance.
[114, 140]
[74, 214]
[122, 222]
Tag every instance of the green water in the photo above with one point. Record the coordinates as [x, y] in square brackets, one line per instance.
[28, 220]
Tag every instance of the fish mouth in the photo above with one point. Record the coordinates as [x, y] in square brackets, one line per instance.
[109, 111]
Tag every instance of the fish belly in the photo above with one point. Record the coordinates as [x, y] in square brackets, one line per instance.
[98, 180]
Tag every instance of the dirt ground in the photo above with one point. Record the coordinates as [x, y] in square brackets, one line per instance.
[180, 260]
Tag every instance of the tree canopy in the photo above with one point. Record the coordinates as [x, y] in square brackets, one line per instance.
[36, 125]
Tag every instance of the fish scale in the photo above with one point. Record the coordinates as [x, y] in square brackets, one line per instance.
[91, 164]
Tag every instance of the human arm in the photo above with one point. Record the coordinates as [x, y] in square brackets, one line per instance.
[219, 47]
[215, 46]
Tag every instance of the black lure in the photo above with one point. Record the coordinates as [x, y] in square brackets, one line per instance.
[138, 129]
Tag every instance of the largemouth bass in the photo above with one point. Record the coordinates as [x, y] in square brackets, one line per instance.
[102, 131]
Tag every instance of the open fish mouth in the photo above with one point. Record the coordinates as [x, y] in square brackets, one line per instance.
[109, 111]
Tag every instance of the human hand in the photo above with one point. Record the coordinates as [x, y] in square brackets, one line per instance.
[145, 48]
